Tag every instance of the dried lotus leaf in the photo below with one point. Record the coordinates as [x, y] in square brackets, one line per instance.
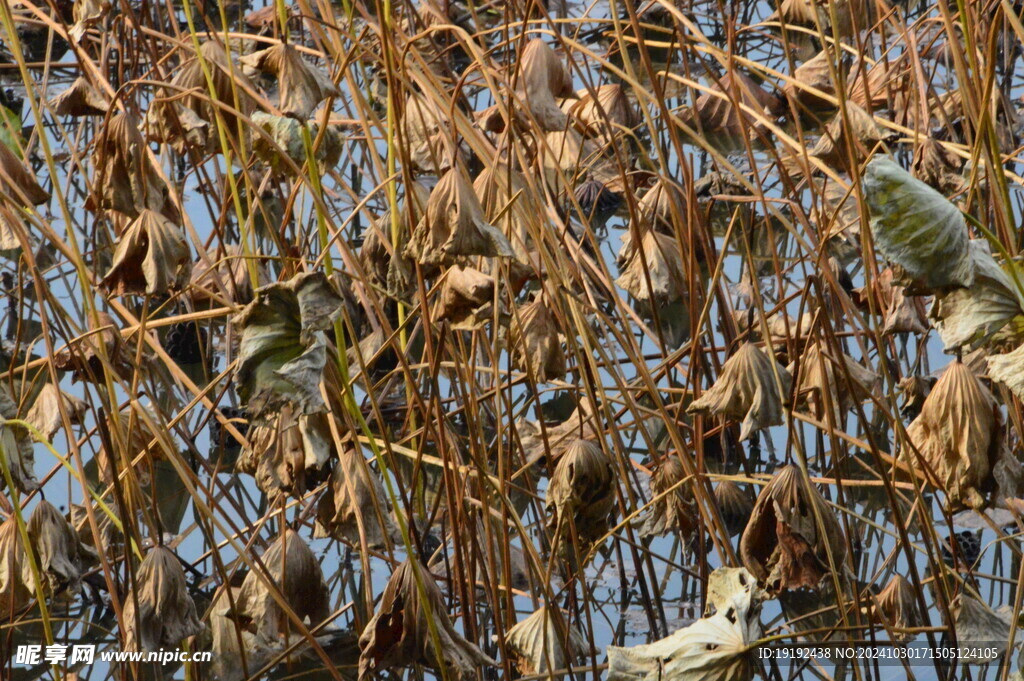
[1009, 370]
[17, 448]
[897, 605]
[715, 648]
[17, 182]
[955, 439]
[747, 390]
[301, 85]
[151, 258]
[822, 382]
[784, 545]
[289, 567]
[734, 506]
[915, 227]
[354, 505]
[581, 495]
[285, 134]
[127, 180]
[545, 642]
[283, 348]
[542, 78]
[15, 592]
[81, 99]
[674, 511]
[467, 297]
[61, 558]
[159, 612]
[411, 619]
[45, 413]
[654, 274]
[453, 225]
[535, 337]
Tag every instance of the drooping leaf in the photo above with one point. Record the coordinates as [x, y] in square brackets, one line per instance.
[152, 258]
[545, 642]
[793, 538]
[916, 228]
[159, 613]
[355, 506]
[747, 390]
[301, 85]
[402, 632]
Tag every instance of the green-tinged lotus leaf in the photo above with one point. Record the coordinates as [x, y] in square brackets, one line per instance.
[715, 648]
[286, 133]
[974, 621]
[991, 306]
[916, 228]
[1009, 369]
[283, 349]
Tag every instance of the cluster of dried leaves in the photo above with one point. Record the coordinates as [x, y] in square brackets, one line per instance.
[351, 336]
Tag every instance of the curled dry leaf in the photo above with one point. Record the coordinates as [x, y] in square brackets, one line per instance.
[60, 556]
[1009, 370]
[535, 337]
[283, 348]
[127, 181]
[87, 13]
[747, 390]
[17, 448]
[284, 134]
[902, 313]
[223, 279]
[287, 451]
[822, 382]
[897, 606]
[916, 228]
[230, 86]
[510, 206]
[715, 648]
[675, 511]
[172, 123]
[545, 642]
[159, 612]
[734, 506]
[654, 274]
[957, 436]
[45, 413]
[664, 207]
[402, 631]
[606, 113]
[835, 147]
[975, 621]
[581, 495]
[151, 258]
[467, 298]
[17, 182]
[784, 545]
[453, 225]
[88, 355]
[428, 137]
[992, 306]
[81, 99]
[731, 107]
[543, 77]
[15, 592]
[354, 505]
[938, 167]
[553, 440]
[301, 86]
[293, 570]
